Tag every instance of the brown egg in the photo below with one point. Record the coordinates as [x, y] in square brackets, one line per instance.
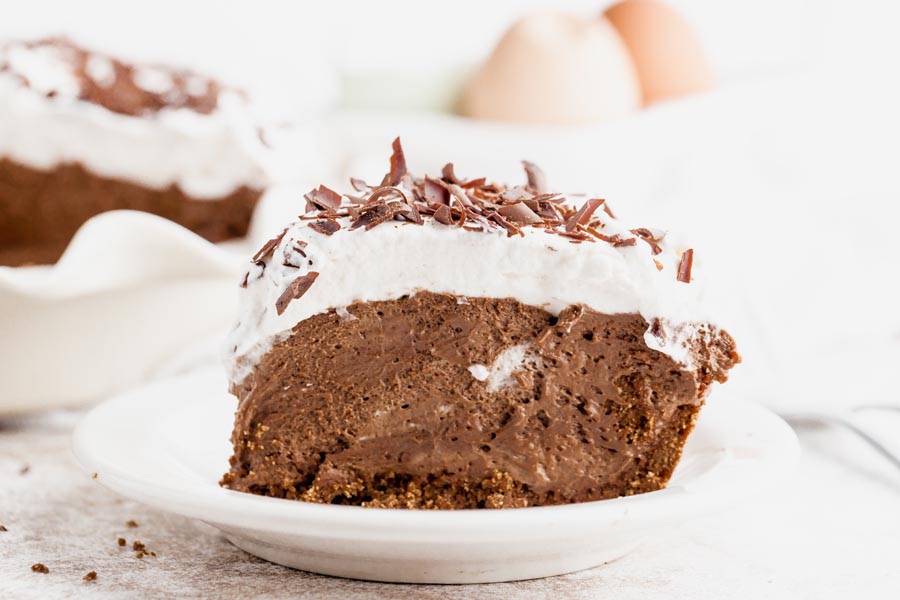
[556, 69]
[668, 56]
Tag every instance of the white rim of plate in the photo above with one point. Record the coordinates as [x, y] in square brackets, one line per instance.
[734, 473]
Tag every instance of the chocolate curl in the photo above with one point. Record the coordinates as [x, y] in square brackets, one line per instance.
[268, 248]
[537, 181]
[325, 226]
[583, 214]
[448, 174]
[436, 192]
[295, 290]
[398, 165]
[685, 265]
[373, 216]
[322, 198]
[519, 213]
[359, 185]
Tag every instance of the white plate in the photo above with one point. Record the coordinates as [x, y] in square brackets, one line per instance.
[167, 445]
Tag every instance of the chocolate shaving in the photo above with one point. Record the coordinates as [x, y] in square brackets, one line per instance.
[359, 185]
[511, 229]
[322, 198]
[519, 213]
[409, 213]
[575, 235]
[295, 290]
[475, 183]
[583, 214]
[268, 248]
[435, 192]
[458, 194]
[325, 226]
[647, 235]
[442, 215]
[474, 205]
[514, 194]
[371, 217]
[398, 165]
[536, 179]
[448, 174]
[684, 266]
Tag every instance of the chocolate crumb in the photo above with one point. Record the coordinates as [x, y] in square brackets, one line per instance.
[138, 545]
[91, 576]
[294, 291]
[40, 568]
[131, 524]
[3, 528]
[121, 541]
[684, 266]
[25, 469]
[657, 330]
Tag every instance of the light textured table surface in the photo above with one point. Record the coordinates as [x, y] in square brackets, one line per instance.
[832, 531]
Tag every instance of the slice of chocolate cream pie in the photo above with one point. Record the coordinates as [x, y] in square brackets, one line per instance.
[447, 343]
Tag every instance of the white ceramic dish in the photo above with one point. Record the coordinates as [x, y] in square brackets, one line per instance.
[131, 293]
[167, 445]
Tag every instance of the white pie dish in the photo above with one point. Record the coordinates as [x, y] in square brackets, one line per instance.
[166, 445]
[130, 294]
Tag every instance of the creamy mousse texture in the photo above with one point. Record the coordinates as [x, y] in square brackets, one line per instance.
[439, 342]
[82, 133]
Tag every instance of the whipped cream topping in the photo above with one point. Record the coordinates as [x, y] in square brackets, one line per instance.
[396, 258]
[44, 122]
